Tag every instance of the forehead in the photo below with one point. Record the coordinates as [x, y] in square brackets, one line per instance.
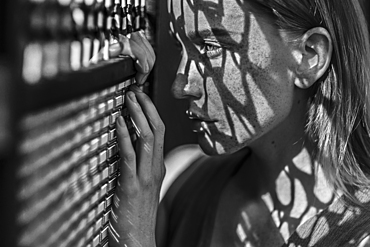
[200, 14]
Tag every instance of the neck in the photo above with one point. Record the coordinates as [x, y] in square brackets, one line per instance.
[288, 179]
[284, 148]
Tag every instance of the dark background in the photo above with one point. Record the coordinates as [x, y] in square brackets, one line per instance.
[171, 110]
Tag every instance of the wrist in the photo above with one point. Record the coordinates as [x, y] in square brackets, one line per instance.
[128, 235]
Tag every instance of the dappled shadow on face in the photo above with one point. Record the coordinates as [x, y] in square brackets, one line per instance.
[237, 53]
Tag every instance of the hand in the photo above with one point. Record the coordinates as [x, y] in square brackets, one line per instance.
[134, 211]
[139, 49]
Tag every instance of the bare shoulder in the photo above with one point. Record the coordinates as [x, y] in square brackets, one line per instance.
[365, 242]
[188, 166]
[177, 161]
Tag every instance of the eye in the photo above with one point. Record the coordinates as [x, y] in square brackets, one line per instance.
[211, 50]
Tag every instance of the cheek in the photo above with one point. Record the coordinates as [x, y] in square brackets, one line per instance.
[258, 54]
[268, 82]
[227, 79]
[252, 98]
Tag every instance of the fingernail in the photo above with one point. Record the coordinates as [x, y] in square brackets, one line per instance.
[132, 96]
[115, 49]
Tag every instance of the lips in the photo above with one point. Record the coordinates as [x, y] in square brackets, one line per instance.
[193, 115]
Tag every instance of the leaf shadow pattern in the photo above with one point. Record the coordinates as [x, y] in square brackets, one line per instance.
[327, 220]
[214, 12]
[342, 224]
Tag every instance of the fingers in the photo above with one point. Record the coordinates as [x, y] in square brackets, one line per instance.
[150, 131]
[157, 127]
[145, 140]
[138, 47]
[126, 151]
[150, 51]
[149, 110]
[140, 38]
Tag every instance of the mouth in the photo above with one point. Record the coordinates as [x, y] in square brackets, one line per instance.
[200, 122]
[199, 117]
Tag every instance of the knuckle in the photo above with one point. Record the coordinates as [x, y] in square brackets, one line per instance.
[146, 71]
[148, 137]
[161, 127]
[133, 190]
[147, 68]
[128, 158]
[158, 126]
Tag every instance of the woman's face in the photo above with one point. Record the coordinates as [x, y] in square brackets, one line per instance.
[235, 71]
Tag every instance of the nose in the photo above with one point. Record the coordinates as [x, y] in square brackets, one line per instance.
[188, 82]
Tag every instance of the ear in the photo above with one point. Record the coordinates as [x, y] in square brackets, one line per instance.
[316, 50]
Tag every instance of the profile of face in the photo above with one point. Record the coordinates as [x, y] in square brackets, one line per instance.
[235, 71]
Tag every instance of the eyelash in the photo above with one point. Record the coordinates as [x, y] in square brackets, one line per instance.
[211, 51]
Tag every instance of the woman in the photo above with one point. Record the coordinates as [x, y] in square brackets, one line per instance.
[278, 94]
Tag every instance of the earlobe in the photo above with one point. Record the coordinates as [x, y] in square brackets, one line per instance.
[315, 55]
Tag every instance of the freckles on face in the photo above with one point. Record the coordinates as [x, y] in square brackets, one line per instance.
[247, 88]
